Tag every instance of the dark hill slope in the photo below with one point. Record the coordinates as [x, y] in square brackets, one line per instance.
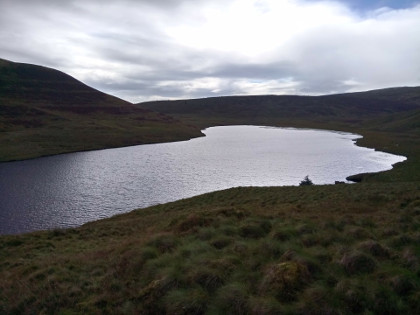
[44, 111]
[403, 95]
[341, 110]
[37, 84]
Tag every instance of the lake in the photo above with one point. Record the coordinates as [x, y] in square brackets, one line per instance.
[71, 189]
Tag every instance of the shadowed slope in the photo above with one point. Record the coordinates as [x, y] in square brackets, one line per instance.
[341, 110]
[44, 111]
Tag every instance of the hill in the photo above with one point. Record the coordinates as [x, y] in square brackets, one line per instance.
[341, 110]
[44, 111]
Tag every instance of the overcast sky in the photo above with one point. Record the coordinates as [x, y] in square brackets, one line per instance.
[170, 49]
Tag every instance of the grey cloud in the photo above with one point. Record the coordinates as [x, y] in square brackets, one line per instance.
[125, 48]
[231, 73]
[274, 70]
[148, 90]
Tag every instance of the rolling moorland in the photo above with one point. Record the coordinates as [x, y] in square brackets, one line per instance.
[44, 112]
[332, 249]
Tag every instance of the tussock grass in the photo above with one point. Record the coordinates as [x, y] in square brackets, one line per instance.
[240, 251]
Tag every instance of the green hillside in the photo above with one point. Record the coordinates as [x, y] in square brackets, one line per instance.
[44, 111]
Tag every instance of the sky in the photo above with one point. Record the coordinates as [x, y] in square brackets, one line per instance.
[142, 50]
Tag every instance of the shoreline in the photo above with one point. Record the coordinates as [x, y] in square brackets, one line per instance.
[354, 178]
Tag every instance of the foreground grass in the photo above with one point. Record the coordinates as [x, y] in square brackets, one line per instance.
[314, 250]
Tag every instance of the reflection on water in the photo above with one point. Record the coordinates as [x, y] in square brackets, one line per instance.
[69, 190]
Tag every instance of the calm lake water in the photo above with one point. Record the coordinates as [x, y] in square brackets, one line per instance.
[71, 189]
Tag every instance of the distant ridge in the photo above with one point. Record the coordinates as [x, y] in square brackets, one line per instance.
[44, 111]
[340, 109]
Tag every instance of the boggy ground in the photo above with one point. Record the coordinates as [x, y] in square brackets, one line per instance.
[336, 249]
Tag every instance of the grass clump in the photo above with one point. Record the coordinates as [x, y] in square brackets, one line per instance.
[375, 249]
[232, 299]
[255, 229]
[208, 277]
[163, 243]
[285, 279]
[186, 301]
[357, 262]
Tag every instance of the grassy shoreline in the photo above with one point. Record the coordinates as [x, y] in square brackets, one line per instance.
[337, 249]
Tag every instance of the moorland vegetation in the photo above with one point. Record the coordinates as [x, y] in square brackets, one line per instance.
[331, 249]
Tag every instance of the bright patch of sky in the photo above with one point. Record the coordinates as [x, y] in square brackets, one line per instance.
[364, 5]
[168, 49]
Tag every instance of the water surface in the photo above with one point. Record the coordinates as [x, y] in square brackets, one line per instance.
[71, 189]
